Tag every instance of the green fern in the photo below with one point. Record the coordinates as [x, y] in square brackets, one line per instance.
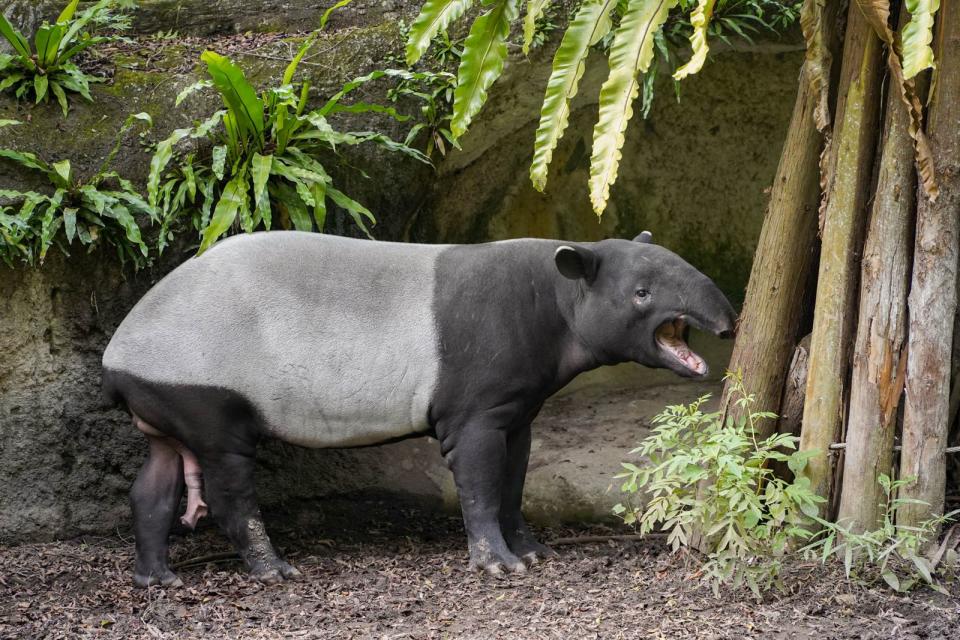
[917, 35]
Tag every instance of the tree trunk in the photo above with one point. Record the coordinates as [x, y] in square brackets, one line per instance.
[933, 292]
[878, 360]
[771, 314]
[850, 180]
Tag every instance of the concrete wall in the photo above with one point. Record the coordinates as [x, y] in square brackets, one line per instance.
[695, 173]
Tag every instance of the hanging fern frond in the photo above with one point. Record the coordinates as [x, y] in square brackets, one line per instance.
[917, 35]
[700, 20]
[877, 13]
[631, 55]
[535, 9]
[590, 25]
[435, 16]
[484, 53]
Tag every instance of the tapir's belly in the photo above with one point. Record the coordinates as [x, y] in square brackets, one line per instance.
[333, 342]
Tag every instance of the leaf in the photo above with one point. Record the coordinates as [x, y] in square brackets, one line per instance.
[630, 55]
[435, 16]
[923, 567]
[159, 161]
[700, 20]
[916, 36]
[225, 213]
[877, 13]
[40, 84]
[25, 159]
[320, 205]
[70, 223]
[61, 97]
[219, 161]
[62, 171]
[356, 210]
[590, 25]
[297, 211]
[196, 86]
[16, 40]
[484, 53]
[68, 11]
[237, 94]
[6, 122]
[328, 12]
[260, 172]
[535, 9]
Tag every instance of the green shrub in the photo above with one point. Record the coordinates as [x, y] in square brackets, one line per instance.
[893, 553]
[711, 478]
[99, 210]
[46, 65]
[262, 164]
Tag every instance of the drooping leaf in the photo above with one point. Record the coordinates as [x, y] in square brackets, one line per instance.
[40, 84]
[225, 212]
[288, 200]
[535, 9]
[484, 53]
[877, 13]
[24, 158]
[260, 173]
[70, 223]
[219, 162]
[61, 97]
[356, 210]
[630, 55]
[161, 158]
[590, 25]
[193, 88]
[816, 69]
[435, 16]
[917, 35]
[700, 20]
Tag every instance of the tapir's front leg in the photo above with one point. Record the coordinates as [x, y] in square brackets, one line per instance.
[478, 456]
[516, 532]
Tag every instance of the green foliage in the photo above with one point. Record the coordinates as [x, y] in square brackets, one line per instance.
[46, 66]
[95, 211]
[892, 553]
[639, 30]
[262, 164]
[917, 35]
[712, 478]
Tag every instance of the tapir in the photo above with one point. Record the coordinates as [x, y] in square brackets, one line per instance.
[324, 341]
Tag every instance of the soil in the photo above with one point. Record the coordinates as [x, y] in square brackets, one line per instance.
[377, 569]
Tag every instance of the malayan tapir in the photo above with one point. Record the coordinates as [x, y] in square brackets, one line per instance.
[324, 341]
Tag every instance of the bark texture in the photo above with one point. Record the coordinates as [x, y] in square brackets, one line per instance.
[879, 359]
[850, 180]
[933, 292]
[772, 312]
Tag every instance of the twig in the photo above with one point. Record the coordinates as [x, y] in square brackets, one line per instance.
[630, 537]
[948, 543]
[210, 557]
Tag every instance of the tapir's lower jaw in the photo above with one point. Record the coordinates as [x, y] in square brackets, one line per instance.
[671, 339]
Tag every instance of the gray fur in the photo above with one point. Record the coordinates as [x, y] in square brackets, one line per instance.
[333, 340]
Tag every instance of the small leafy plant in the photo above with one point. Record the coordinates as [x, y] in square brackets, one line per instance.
[711, 479]
[262, 164]
[46, 66]
[99, 210]
[893, 553]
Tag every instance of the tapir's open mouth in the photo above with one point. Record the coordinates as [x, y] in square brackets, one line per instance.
[671, 339]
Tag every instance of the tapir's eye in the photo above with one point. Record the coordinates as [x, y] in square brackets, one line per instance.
[641, 294]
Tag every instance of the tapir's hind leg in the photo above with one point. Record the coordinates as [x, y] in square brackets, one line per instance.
[155, 497]
[229, 484]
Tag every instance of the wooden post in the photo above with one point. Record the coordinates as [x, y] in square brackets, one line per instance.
[879, 360]
[771, 313]
[933, 292]
[852, 168]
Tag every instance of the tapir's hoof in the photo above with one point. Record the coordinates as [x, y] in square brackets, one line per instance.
[165, 578]
[276, 573]
[499, 565]
[536, 552]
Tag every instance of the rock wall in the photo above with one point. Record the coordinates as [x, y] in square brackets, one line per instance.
[695, 173]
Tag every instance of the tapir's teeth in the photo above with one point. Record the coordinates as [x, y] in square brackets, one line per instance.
[670, 337]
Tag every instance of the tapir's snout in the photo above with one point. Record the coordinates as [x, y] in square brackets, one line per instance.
[712, 311]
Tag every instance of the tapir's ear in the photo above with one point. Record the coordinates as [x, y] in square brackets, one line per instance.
[645, 237]
[576, 262]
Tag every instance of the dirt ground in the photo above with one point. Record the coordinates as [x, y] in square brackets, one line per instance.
[373, 569]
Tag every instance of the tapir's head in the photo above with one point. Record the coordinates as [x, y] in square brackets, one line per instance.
[637, 302]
